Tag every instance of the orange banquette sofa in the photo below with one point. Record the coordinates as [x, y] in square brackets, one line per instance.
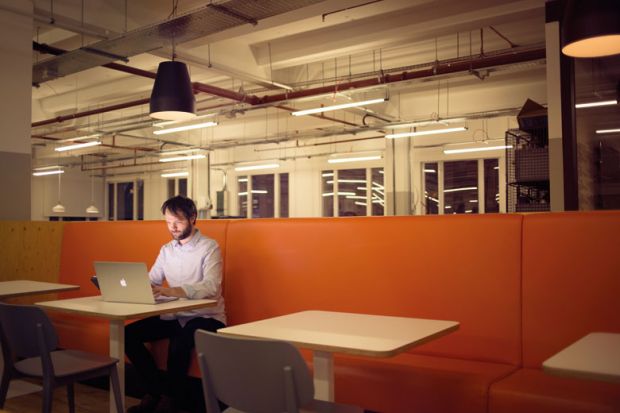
[522, 288]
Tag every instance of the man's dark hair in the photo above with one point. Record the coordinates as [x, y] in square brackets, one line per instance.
[180, 205]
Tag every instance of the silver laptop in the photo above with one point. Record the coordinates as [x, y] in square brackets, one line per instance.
[126, 282]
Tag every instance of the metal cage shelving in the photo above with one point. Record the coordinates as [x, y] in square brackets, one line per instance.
[527, 170]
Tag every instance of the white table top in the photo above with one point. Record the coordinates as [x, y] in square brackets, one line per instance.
[595, 356]
[95, 306]
[16, 288]
[369, 335]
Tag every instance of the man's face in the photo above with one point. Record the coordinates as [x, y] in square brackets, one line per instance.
[180, 227]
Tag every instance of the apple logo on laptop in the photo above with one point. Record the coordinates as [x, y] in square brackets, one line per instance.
[123, 282]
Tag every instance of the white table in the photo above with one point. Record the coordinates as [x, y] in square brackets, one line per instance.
[117, 314]
[327, 332]
[595, 356]
[16, 288]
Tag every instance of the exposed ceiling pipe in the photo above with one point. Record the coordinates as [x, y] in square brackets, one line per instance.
[59, 119]
[438, 68]
[132, 148]
[197, 86]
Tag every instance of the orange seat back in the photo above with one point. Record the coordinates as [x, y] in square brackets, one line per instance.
[463, 268]
[571, 280]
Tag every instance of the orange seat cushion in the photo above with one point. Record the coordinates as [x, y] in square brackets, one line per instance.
[416, 383]
[532, 390]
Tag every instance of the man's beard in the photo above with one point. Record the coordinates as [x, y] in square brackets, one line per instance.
[185, 234]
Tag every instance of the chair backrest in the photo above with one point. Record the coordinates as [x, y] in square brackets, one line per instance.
[19, 326]
[261, 376]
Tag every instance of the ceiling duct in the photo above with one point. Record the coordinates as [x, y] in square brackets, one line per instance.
[210, 19]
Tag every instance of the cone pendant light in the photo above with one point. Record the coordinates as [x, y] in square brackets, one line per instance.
[591, 28]
[172, 97]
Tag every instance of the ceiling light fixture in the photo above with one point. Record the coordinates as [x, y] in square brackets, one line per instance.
[39, 172]
[182, 158]
[425, 132]
[78, 138]
[59, 207]
[591, 28]
[337, 107]
[602, 131]
[92, 209]
[596, 104]
[257, 167]
[184, 128]
[465, 188]
[354, 159]
[77, 146]
[478, 149]
[174, 174]
[172, 97]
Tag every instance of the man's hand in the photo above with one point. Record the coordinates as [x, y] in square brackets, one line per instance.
[170, 292]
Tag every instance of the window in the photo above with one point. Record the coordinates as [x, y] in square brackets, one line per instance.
[263, 196]
[267, 194]
[353, 192]
[461, 187]
[123, 197]
[431, 188]
[177, 186]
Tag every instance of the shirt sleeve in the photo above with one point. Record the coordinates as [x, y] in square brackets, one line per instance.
[157, 274]
[211, 284]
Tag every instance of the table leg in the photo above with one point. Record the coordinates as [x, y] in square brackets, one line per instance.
[323, 363]
[117, 350]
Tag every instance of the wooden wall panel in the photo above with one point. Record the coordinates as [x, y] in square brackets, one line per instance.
[30, 250]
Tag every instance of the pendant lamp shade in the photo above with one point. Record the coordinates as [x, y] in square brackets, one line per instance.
[59, 207]
[591, 28]
[172, 97]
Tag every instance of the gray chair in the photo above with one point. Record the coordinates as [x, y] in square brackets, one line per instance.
[257, 376]
[30, 349]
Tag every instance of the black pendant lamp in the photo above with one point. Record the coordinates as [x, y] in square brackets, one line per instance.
[591, 28]
[172, 97]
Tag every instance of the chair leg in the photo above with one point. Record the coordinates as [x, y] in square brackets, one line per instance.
[116, 388]
[71, 397]
[4, 386]
[48, 395]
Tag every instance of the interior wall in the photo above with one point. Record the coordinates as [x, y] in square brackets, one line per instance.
[15, 83]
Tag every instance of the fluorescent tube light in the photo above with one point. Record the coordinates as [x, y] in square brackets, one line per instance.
[349, 181]
[354, 159]
[174, 174]
[336, 107]
[186, 127]
[339, 193]
[595, 104]
[425, 132]
[182, 158]
[465, 188]
[43, 173]
[360, 203]
[78, 138]
[478, 149]
[429, 171]
[327, 174]
[601, 131]
[254, 191]
[77, 146]
[257, 167]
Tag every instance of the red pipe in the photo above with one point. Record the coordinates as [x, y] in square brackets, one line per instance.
[439, 69]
